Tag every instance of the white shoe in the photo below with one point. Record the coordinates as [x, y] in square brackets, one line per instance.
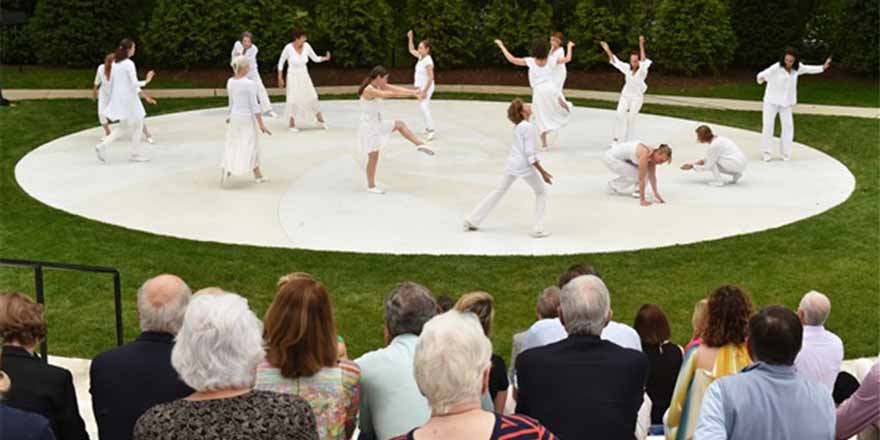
[293, 130]
[540, 234]
[468, 226]
[260, 180]
[103, 138]
[99, 150]
[138, 158]
[322, 125]
[716, 183]
[150, 140]
[271, 114]
[766, 157]
[736, 177]
[431, 135]
[376, 190]
[636, 195]
[786, 158]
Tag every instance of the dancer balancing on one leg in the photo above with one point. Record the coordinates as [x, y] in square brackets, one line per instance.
[780, 96]
[302, 99]
[245, 46]
[634, 162]
[633, 94]
[424, 80]
[374, 130]
[101, 93]
[241, 155]
[560, 72]
[550, 107]
[722, 157]
[522, 163]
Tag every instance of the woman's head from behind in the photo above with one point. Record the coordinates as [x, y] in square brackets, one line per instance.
[21, 321]
[540, 50]
[480, 304]
[241, 65]
[125, 50]
[729, 310]
[518, 111]
[700, 319]
[652, 326]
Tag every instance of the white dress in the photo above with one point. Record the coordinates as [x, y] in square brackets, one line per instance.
[374, 131]
[560, 71]
[125, 104]
[302, 98]
[241, 153]
[104, 86]
[254, 73]
[549, 114]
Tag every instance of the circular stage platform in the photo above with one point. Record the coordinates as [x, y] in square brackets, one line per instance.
[316, 197]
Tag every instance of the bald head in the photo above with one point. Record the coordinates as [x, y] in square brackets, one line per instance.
[814, 308]
[162, 301]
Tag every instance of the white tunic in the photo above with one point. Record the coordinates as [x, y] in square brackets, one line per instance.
[560, 72]
[635, 86]
[241, 153]
[538, 74]
[421, 74]
[374, 130]
[125, 104]
[781, 85]
[250, 54]
[297, 61]
[523, 155]
[242, 97]
[626, 151]
[103, 85]
[723, 153]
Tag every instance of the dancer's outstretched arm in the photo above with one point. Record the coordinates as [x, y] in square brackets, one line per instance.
[642, 56]
[607, 51]
[567, 58]
[400, 89]
[412, 47]
[806, 69]
[513, 60]
[389, 92]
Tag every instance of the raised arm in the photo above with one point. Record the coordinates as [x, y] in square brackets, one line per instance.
[806, 69]
[608, 51]
[513, 60]
[642, 56]
[412, 47]
[313, 56]
[568, 54]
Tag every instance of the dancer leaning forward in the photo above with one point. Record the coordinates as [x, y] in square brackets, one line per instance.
[241, 155]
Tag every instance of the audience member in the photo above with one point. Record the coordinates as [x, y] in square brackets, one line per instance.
[699, 321]
[445, 303]
[546, 310]
[482, 305]
[302, 358]
[862, 409]
[216, 353]
[37, 387]
[452, 369]
[18, 424]
[722, 352]
[127, 381]
[583, 387]
[664, 358]
[768, 399]
[844, 386]
[822, 353]
[391, 404]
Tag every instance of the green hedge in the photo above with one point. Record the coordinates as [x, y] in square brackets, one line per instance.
[358, 32]
[692, 36]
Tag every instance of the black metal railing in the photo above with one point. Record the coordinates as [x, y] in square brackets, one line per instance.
[38, 267]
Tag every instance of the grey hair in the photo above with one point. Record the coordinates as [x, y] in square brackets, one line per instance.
[246, 35]
[815, 307]
[166, 316]
[548, 303]
[409, 306]
[586, 305]
[220, 343]
[450, 360]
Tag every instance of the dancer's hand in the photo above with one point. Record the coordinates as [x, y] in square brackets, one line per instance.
[280, 81]
[150, 75]
[409, 34]
[548, 178]
[420, 94]
[150, 100]
[499, 43]
[827, 64]
[687, 166]
[604, 45]
[570, 44]
[701, 162]
[642, 39]
[327, 56]
[265, 130]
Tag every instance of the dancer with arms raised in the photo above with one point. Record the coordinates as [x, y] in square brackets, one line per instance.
[633, 94]
[424, 80]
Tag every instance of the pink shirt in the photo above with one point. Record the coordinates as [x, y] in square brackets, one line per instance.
[862, 408]
[820, 356]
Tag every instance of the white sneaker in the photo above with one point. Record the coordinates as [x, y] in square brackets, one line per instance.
[786, 158]
[375, 190]
[293, 130]
[431, 135]
[766, 157]
[736, 177]
[636, 195]
[261, 180]
[138, 158]
[540, 234]
[322, 125]
[468, 226]
[150, 140]
[271, 114]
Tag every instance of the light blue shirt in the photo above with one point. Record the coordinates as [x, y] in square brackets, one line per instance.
[766, 402]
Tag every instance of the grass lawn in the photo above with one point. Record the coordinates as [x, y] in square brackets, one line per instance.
[837, 252]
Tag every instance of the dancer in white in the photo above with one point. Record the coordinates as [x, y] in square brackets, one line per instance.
[241, 155]
[780, 96]
[560, 71]
[424, 80]
[633, 94]
[374, 130]
[245, 47]
[722, 157]
[551, 110]
[522, 163]
[101, 93]
[302, 99]
[125, 104]
[633, 162]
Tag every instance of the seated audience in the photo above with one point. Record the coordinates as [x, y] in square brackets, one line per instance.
[546, 310]
[301, 358]
[664, 358]
[37, 387]
[391, 404]
[127, 381]
[583, 387]
[844, 386]
[722, 352]
[768, 399]
[483, 305]
[699, 321]
[452, 369]
[216, 353]
[445, 303]
[862, 409]
[821, 356]
[18, 424]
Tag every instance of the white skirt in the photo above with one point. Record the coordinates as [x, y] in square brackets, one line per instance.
[302, 98]
[548, 113]
[373, 135]
[242, 151]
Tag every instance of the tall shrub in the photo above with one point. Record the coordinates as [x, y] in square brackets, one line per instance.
[764, 28]
[191, 33]
[858, 44]
[450, 25]
[359, 30]
[598, 20]
[692, 36]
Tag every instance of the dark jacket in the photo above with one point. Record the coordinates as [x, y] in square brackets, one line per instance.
[22, 425]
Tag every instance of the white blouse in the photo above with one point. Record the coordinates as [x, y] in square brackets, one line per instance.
[539, 74]
[522, 157]
[242, 97]
[297, 61]
[250, 54]
[102, 83]
[721, 148]
[635, 86]
[421, 75]
[125, 104]
[560, 71]
[626, 151]
[782, 85]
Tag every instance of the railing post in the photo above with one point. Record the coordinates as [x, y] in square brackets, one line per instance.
[41, 299]
[117, 299]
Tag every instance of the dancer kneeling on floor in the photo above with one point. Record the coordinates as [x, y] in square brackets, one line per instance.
[633, 162]
[722, 157]
[242, 152]
[374, 131]
[523, 162]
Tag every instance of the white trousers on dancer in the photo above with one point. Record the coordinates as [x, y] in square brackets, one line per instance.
[491, 201]
[731, 167]
[425, 107]
[135, 128]
[785, 118]
[263, 96]
[627, 111]
[627, 172]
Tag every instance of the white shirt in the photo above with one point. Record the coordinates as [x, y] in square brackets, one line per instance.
[626, 151]
[539, 74]
[635, 86]
[242, 97]
[297, 61]
[560, 71]
[622, 335]
[103, 84]
[421, 75]
[721, 150]
[250, 54]
[548, 331]
[781, 85]
[522, 155]
[125, 104]
[820, 357]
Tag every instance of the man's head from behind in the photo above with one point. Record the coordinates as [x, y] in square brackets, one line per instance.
[407, 309]
[814, 308]
[162, 302]
[586, 306]
[548, 303]
[775, 335]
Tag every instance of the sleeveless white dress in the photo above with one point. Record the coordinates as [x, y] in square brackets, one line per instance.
[374, 131]
[549, 114]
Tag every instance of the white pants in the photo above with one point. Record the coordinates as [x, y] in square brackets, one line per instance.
[135, 128]
[785, 118]
[627, 172]
[491, 201]
[425, 107]
[730, 167]
[263, 96]
[627, 110]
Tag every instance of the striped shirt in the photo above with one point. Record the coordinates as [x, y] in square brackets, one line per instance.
[514, 427]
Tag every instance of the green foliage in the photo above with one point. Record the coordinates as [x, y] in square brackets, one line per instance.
[360, 30]
[451, 27]
[15, 45]
[501, 19]
[601, 20]
[764, 28]
[692, 36]
[859, 40]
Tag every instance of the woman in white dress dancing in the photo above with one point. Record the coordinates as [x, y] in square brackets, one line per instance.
[424, 80]
[245, 46]
[722, 157]
[302, 99]
[560, 71]
[241, 154]
[633, 162]
[633, 94]
[374, 130]
[101, 93]
[551, 110]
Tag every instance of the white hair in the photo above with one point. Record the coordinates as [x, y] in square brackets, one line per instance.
[239, 62]
[162, 316]
[586, 305]
[220, 343]
[451, 357]
[815, 307]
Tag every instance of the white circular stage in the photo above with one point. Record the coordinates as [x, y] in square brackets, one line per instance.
[316, 197]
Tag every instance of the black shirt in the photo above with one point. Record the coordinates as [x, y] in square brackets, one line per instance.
[497, 377]
[665, 361]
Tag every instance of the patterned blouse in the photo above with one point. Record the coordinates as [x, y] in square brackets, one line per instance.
[515, 427]
[257, 415]
[333, 392]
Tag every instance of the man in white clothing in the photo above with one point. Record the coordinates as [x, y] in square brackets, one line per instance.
[722, 157]
[821, 354]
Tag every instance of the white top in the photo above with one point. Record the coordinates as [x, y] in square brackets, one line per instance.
[539, 74]
[242, 97]
[371, 110]
[820, 357]
[781, 85]
[421, 76]
[635, 86]
[251, 54]
[102, 83]
[125, 104]
[622, 335]
[626, 151]
[548, 331]
[721, 148]
[297, 61]
[522, 155]
[560, 71]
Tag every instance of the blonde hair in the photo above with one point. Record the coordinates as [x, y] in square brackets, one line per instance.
[5, 383]
[700, 320]
[239, 62]
[667, 150]
[481, 304]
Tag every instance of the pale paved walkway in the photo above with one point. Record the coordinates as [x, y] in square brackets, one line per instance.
[681, 101]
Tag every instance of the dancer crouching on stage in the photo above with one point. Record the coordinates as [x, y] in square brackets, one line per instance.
[633, 94]
[374, 131]
[101, 93]
[722, 157]
[241, 154]
[302, 99]
[245, 46]
[424, 80]
[633, 162]
[522, 163]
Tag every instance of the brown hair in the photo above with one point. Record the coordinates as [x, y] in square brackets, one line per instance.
[480, 304]
[729, 312]
[574, 271]
[514, 111]
[557, 35]
[297, 32]
[427, 45]
[375, 73]
[21, 320]
[548, 303]
[666, 149]
[704, 133]
[652, 326]
[121, 53]
[108, 64]
[539, 49]
[299, 330]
